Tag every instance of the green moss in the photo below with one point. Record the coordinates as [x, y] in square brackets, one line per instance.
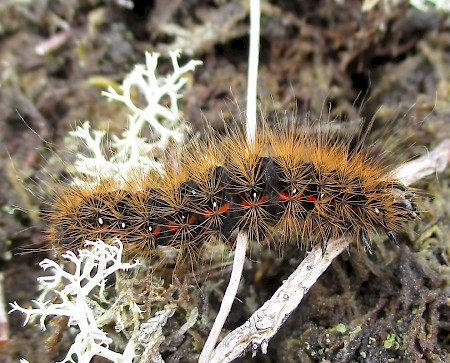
[391, 342]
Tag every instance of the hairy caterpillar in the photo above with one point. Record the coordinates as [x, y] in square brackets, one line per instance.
[296, 184]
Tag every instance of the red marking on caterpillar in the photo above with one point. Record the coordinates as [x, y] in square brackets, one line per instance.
[300, 185]
[250, 203]
[221, 210]
[311, 198]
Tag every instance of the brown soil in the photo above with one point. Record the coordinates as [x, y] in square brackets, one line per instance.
[390, 64]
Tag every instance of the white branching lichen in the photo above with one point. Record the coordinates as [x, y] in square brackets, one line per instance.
[80, 296]
[73, 299]
[153, 102]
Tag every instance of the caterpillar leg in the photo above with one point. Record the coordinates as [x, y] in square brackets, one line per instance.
[365, 241]
[392, 236]
[324, 245]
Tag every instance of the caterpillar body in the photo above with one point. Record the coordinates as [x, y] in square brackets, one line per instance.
[289, 184]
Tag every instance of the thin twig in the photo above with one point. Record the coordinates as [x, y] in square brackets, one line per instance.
[252, 78]
[267, 320]
[228, 298]
[242, 239]
[435, 162]
[4, 336]
[54, 43]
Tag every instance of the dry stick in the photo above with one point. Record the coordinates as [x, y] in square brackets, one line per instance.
[4, 336]
[252, 77]
[435, 162]
[267, 320]
[242, 239]
[228, 298]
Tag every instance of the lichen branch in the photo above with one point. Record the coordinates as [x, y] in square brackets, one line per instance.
[92, 267]
[130, 152]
